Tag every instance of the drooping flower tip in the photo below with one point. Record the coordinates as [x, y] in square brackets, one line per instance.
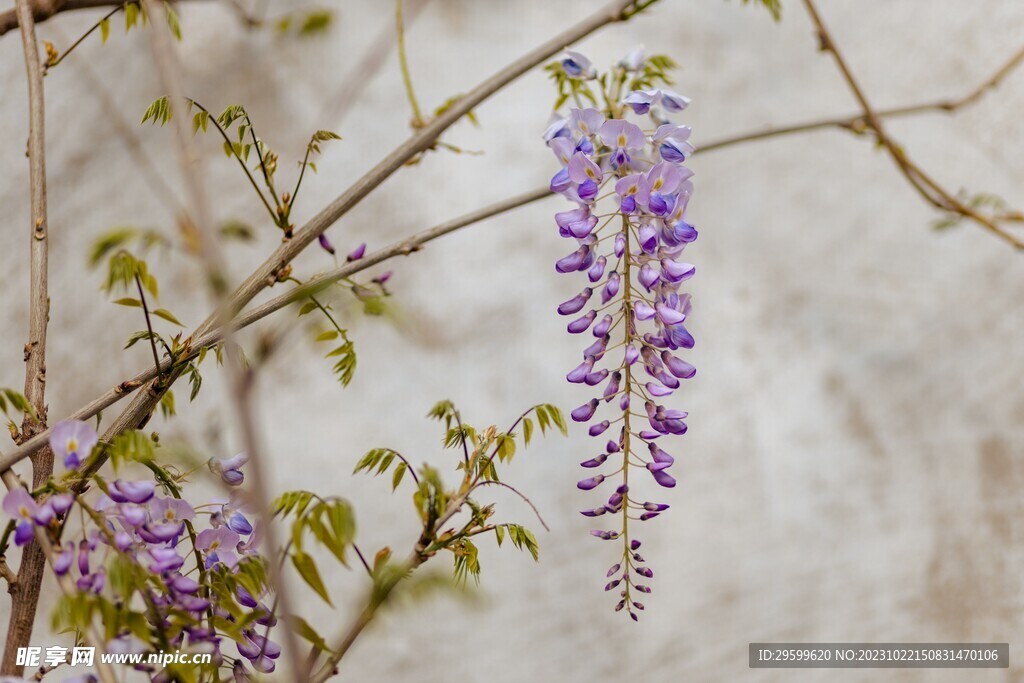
[325, 244]
[576, 65]
[356, 253]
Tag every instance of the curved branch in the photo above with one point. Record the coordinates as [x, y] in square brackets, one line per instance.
[857, 122]
[518, 493]
[925, 185]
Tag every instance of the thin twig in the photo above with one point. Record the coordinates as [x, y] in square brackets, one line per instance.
[518, 493]
[361, 74]
[88, 33]
[857, 123]
[927, 187]
[149, 326]
[403, 61]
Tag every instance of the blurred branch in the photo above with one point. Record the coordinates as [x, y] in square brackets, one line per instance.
[25, 593]
[925, 185]
[361, 75]
[126, 134]
[239, 377]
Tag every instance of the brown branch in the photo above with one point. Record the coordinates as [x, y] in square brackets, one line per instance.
[415, 242]
[25, 592]
[925, 186]
[404, 247]
[857, 123]
[144, 403]
[275, 267]
[239, 378]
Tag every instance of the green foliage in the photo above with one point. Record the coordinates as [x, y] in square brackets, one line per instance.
[330, 521]
[158, 112]
[122, 269]
[522, 538]
[306, 567]
[344, 367]
[654, 73]
[167, 405]
[578, 89]
[467, 562]
[381, 459]
[303, 629]
[131, 446]
[172, 20]
[449, 103]
[306, 24]
[11, 399]
[125, 238]
[983, 203]
[774, 7]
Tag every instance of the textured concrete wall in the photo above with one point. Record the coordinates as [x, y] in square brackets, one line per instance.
[853, 468]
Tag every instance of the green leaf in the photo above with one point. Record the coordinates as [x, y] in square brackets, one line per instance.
[306, 567]
[167, 404]
[158, 112]
[15, 400]
[172, 21]
[527, 430]
[128, 301]
[131, 446]
[396, 479]
[104, 30]
[131, 15]
[314, 22]
[308, 633]
[168, 316]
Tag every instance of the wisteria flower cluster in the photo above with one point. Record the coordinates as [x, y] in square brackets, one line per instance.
[196, 570]
[630, 187]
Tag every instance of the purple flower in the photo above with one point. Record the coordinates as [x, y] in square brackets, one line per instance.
[230, 469]
[577, 66]
[219, 545]
[72, 441]
[21, 507]
[356, 253]
[122, 491]
[630, 247]
[325, 244]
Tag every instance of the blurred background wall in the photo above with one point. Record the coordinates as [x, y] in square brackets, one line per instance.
[853, 470]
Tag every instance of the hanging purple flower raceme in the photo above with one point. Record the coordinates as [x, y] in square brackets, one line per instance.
[623, 168]
[132, 520]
